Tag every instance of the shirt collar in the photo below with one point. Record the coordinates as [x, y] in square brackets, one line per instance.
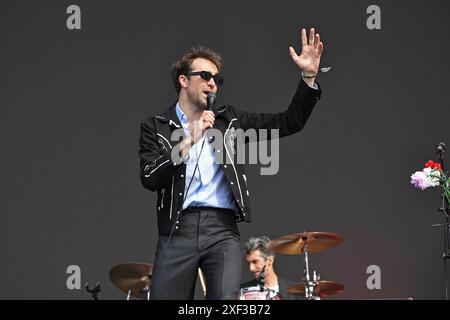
[181, 115]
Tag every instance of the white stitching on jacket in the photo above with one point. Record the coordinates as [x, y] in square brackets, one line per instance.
[148, 175]
[165, 139]
[171, 199]
[232, 163]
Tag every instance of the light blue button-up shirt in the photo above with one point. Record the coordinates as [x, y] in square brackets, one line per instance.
[209, 187]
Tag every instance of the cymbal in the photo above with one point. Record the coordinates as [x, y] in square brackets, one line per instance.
[323, 289]
[295, 243]
[132, 276]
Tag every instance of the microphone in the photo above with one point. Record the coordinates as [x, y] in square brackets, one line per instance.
[440, 149]
[261, 278]
[210, 100]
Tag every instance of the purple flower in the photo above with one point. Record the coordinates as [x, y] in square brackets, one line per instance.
[432, 176]
[419, 180]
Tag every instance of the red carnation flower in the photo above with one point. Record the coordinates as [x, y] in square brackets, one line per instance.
[433, 165]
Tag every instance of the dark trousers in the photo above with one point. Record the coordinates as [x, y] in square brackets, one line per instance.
[205, 238]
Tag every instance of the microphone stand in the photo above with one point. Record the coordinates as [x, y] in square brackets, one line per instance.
[440, 150]
[93, 291]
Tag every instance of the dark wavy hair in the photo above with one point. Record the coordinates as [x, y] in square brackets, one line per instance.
[183, 65]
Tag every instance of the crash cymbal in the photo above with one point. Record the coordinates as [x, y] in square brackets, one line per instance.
[295, 243]
[132, 276]
[323, 289]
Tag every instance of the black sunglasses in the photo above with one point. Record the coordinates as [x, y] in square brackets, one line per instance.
[206, 75]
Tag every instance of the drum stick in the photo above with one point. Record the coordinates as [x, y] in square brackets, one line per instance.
[202, 281]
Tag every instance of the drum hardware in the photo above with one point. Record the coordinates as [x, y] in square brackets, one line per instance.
[258, 293]
[133, 278]
[202, 281]
[260, 281]
[295, 243]
[146, 291]
[94, 291]
[322, 289]
[305, 243]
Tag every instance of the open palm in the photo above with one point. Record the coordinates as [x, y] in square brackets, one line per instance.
[309, 59]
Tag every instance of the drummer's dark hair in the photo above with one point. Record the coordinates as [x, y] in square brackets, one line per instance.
[259, 243]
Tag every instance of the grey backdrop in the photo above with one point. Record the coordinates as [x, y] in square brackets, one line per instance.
[72, 101]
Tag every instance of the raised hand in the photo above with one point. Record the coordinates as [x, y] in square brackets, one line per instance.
[309, 59]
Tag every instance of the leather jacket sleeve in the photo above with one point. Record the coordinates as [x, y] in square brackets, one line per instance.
[156, 165]
[289, 121]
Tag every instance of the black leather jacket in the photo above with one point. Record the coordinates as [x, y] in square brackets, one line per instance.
[159, 173]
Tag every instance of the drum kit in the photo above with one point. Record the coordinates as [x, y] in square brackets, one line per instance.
[312, 288]
[135, 278]
[258, 293]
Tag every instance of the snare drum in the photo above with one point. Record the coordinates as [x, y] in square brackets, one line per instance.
[258, 293]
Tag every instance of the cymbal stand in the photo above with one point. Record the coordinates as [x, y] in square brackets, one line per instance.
[309, 285]
[146, 290]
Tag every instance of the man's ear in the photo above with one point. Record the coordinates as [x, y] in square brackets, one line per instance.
[184, 81]
[271, 259]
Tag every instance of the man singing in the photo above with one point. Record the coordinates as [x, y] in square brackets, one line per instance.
[199, 199]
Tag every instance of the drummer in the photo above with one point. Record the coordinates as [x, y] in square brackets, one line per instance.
[261, 264]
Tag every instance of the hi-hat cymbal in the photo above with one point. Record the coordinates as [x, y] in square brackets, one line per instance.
[132, 276]
[322, 289]
[295, 243]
